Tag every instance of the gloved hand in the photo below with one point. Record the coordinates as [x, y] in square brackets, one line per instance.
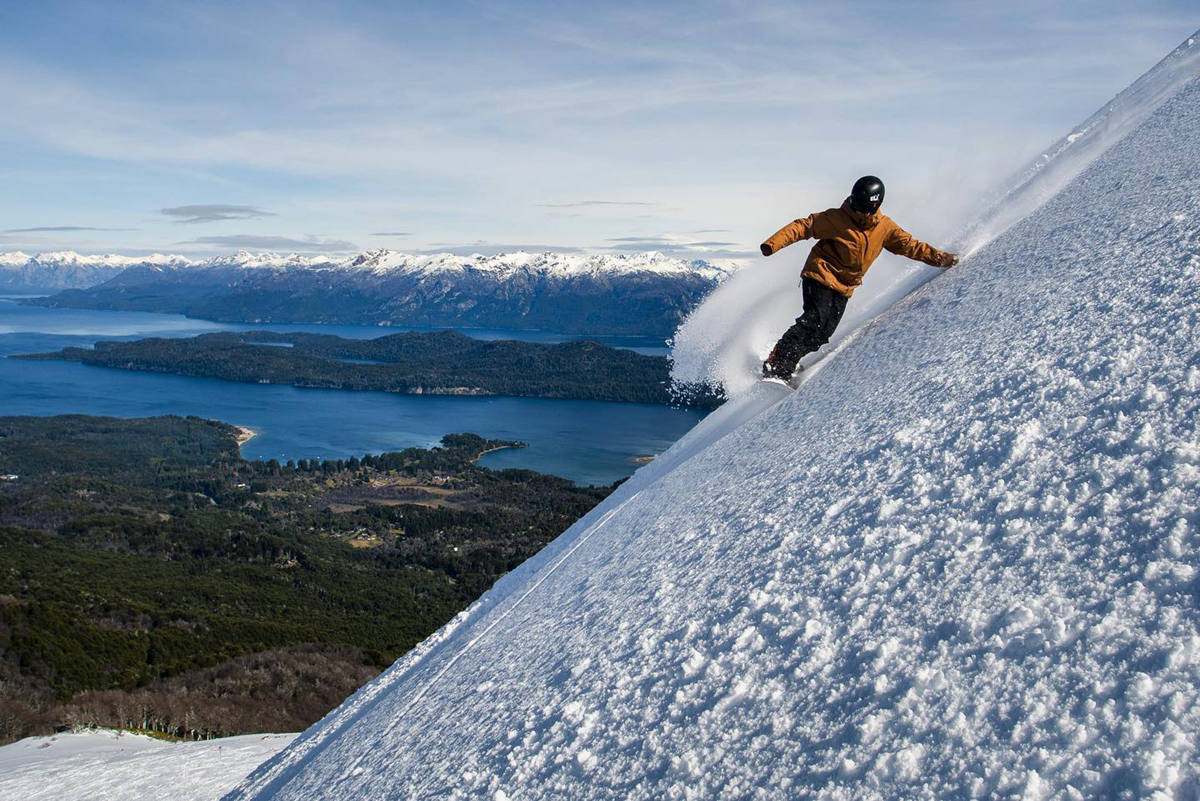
[949, 261]
[766, 249]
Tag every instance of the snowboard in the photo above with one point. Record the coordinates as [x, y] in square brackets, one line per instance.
[791, 383]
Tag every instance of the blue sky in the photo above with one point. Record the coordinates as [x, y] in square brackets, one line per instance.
[695, 128]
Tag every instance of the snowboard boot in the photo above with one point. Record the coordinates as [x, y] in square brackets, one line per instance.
[772, 370]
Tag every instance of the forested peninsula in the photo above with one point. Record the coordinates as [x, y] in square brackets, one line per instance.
[415, 363]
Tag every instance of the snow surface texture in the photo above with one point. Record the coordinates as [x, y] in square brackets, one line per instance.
[106, 766]
[960, 561]
[725, 339]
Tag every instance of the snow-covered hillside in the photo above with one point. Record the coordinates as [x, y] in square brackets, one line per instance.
[1060, 163]
[104, 766]
[960, 561]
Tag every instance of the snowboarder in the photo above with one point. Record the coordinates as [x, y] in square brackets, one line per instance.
[850, 239]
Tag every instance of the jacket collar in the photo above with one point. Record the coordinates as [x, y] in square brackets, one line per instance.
[863, 221]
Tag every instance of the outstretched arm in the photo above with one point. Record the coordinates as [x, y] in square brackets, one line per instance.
[804, 228]
[903, 243]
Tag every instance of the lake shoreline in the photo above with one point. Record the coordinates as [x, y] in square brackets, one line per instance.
[589, 442]
[245, 434]
[513, 447]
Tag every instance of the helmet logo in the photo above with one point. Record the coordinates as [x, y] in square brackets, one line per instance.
[867, 195]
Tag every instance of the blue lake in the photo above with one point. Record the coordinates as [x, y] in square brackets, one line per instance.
[589, 442]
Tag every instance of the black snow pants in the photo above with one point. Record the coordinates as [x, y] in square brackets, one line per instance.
[823, 309]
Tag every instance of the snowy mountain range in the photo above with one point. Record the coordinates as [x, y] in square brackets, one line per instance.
[636, 294]
[51, 272]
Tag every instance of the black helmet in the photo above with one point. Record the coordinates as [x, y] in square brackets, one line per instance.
[867, 195]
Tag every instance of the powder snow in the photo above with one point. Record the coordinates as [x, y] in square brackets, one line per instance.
[960, 560]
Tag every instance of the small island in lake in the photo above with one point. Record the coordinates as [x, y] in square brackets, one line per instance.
[415, 363]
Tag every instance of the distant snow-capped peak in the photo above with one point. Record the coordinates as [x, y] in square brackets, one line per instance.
[560, 264]
[71, 258]
[70, 270]
[266, 259]
[382, 262]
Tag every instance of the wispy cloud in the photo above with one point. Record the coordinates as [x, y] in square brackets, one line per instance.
[492, 248]
[391, 233]
[706, 108]
[675, 246]
[584, 203]
[61, 228]
[639, 239]
[666, 241]
[214, 212]
[255, 242]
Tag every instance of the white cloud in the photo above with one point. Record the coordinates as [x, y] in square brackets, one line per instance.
[711, 115]
[280, 243]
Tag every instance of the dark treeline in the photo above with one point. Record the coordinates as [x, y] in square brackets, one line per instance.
[446, 363]
[273, 691]
[148, 574]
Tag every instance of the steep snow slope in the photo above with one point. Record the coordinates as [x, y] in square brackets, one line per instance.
[1066, 158]
[107, 766]
[725, 339]
[961, 560]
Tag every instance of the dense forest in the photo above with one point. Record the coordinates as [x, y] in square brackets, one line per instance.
[152, 578]
[439, 363]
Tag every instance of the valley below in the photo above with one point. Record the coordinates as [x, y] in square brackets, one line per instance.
[168, 573]
[153, 579]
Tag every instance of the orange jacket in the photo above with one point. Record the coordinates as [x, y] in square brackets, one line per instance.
[849, 243]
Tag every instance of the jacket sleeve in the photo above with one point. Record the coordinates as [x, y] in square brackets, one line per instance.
[902, 243]
[803, 228]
